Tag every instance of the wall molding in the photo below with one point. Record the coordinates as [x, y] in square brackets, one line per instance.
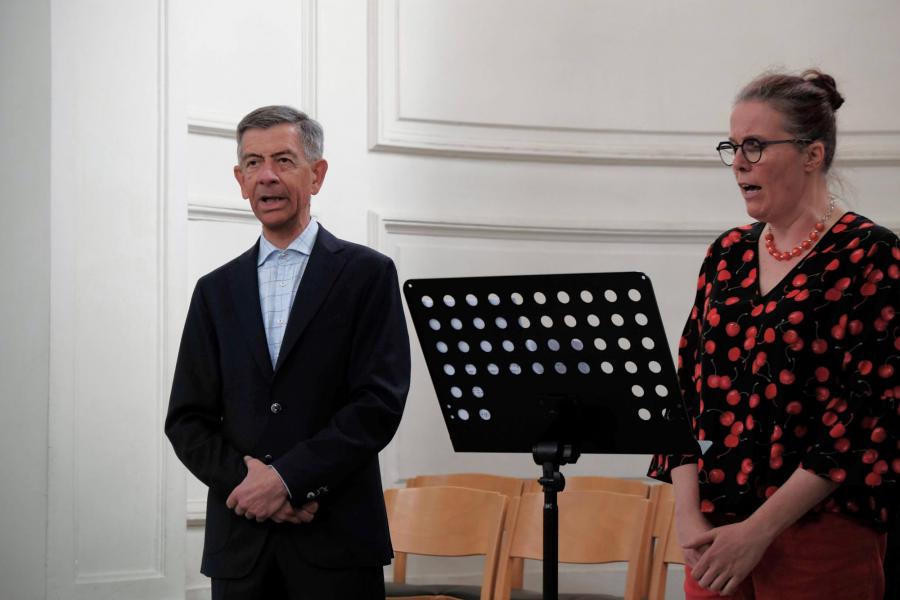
[220, 214]
[545, 230]
[196, 513]
[309, 32]
[202, 209]
[211, 125]
[200, 592]
[390, 131]
[548, 230]
[163, 277]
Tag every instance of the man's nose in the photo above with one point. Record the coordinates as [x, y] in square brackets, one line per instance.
[267, 173]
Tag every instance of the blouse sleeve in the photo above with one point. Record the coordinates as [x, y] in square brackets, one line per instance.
[689, 378]
[857, 444]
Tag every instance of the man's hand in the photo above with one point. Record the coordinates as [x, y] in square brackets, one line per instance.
[260, 494]
[288, 514]
[733, 551]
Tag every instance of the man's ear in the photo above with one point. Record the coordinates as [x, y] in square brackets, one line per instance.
[319, 168]
[239, 176]
[815, 156]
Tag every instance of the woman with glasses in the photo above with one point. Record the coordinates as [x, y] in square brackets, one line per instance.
[788, 366]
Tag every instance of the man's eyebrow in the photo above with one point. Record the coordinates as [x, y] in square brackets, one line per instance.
[285, 152]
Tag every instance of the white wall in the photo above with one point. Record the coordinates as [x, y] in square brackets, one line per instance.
[472, 138]
[463, 138]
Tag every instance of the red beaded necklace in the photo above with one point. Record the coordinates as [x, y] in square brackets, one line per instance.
[805, 244]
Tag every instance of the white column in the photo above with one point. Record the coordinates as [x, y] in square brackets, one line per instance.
[116, 507]
[24, 294]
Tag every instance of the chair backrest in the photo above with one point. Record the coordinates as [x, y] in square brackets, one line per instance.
[594, 527]
[511, 487]
[596, 483]
[448, 521]
[666, 551]
[608, 484]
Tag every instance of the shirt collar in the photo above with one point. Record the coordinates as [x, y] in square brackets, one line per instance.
[303, 243]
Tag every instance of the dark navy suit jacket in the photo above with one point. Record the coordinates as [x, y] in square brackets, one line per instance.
[320, 417]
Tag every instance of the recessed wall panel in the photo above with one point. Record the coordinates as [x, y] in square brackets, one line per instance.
[425, 249]
[242, 55]
[615, 81]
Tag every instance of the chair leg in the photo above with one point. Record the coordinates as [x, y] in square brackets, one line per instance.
[517, 573]
[399, 567]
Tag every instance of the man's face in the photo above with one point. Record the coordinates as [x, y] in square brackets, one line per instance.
[276, 178]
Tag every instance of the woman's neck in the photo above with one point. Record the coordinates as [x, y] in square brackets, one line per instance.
[814, 206]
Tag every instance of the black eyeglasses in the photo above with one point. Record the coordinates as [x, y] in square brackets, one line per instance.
[752, 149]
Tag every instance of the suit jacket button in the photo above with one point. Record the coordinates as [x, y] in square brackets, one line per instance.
[275, 408]
[267, 459]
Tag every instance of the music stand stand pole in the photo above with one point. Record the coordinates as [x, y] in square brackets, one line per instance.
[552, 455]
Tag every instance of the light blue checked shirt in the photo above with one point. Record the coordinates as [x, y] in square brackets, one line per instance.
[279, 273]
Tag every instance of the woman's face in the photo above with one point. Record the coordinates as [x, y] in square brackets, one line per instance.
[775, 187]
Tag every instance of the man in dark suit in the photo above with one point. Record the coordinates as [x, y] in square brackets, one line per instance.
[291, 377]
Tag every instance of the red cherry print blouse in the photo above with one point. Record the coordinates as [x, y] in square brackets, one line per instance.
[804, 376]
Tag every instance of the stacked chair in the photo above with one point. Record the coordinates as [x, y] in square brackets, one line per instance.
[666, 551]
[615, 485]
[601, 520]
[598, 484]
[594, 528]
[445, 521]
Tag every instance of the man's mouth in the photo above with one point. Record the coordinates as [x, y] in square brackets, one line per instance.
[749, 187]
[271, 199]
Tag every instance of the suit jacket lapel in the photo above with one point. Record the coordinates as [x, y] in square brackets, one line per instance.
[325, 263]
[244, 284]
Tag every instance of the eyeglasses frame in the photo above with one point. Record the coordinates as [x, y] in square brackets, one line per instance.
[763, 144]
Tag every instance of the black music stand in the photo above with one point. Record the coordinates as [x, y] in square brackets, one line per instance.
[552, 365]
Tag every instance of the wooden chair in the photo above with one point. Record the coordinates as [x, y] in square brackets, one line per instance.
[597, 483]
[605, 484]
[594, 527]
[511, 487]
[445, 521]
[440, 597]
[666, 551]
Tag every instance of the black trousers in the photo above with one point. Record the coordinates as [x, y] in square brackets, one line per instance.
[281, 574]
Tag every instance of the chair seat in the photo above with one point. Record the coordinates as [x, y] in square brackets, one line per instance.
[406, 590]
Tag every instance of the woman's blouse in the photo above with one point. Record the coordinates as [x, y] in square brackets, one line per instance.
[803, 376]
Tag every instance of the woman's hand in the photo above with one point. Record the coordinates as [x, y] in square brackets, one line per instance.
[728, 554]
[689, 526]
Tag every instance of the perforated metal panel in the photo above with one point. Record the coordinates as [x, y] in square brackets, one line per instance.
[580, 359]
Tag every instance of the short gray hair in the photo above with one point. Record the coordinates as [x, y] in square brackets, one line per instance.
[312, 137]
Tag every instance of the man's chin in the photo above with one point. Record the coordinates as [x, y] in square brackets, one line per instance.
[282, 227]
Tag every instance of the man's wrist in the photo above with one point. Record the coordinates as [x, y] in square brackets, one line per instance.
[284, 484]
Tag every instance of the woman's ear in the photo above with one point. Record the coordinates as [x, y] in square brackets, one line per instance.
[815, 156]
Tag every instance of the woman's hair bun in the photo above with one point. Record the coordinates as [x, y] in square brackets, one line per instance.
[826, 83]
